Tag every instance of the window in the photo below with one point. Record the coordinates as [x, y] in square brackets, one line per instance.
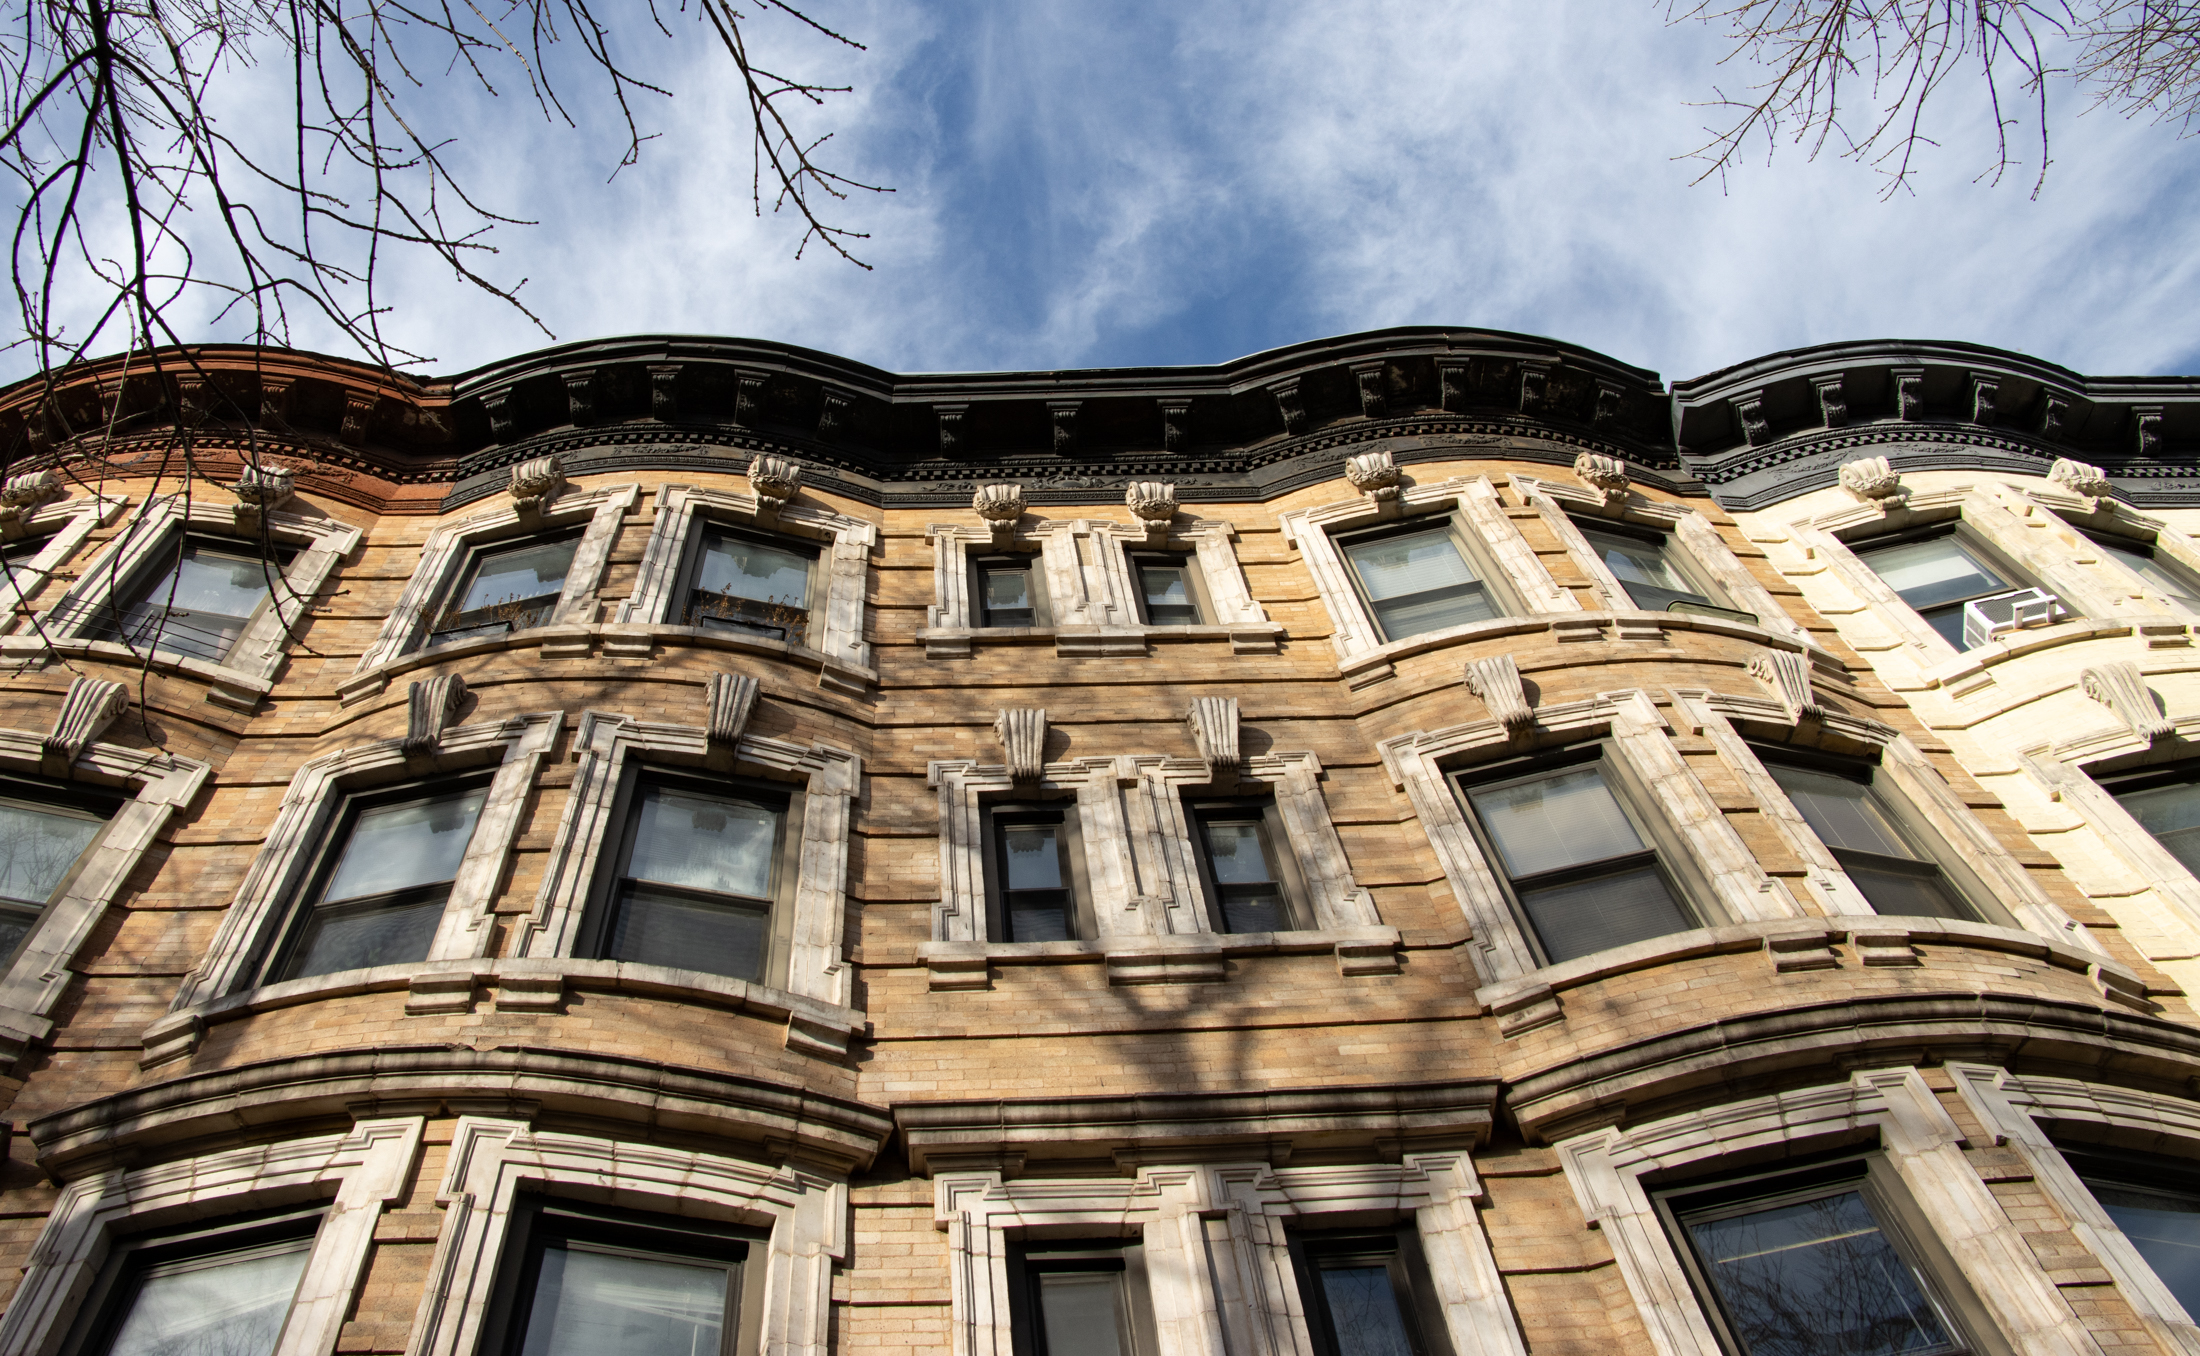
[200, 604]
[585, 1280]
[1937, 575]
[1579, 865]
[210, 1292]
[1858, 825]
[2144, 560]
[1009, 592]
[507, 587]
[2166, 802]
[1646, 566]
[1037, 875]
[43, 832]
[1368, 1294]
[1419, 580]
[2155, 1201]
[382, 883]
[700, 883]
[750, 585]
[1168, 590]
[1080, 1299]
[1812, 1263]
[1251, 885]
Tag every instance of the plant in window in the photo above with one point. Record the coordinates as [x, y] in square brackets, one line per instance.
[745, 585]
[382, 884]
[507, 589]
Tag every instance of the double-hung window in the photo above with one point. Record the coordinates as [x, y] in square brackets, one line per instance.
[1245, 866]
[44, 831]
[1168, 589]
[1080, 1299]
[1036, 875]
[2145, 560]
[2166, 802]
[583, 1280]
[1864, 831]
[1937, 574]
[1814, 1263]
[752, 585]
[1368, 1294]
[1579, 864]
[1009, 591]
[2155, 1201]
[1646, 565]
[1419, 578]
[700, 881]
[510, 586]
[223, 1291]
[200, 604]
[379, 888]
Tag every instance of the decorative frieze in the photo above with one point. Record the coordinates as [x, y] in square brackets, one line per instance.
[1214, 725]
[430, 706]
[730, 698]
[1604, 474]
[1496, 680]
[2121, 688]
[1023, 736]
[1871, 479]
[2089, 482]
[92, 704]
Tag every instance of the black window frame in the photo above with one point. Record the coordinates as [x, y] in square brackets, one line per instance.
[2149, 777]
[129, 1261]
[689, 597]
[1195, 587]
[1412, 1286]
[1934, 857]
[76, 800]
[541, 1219]
[450, 626]
[1981, 550]
[1496, 586]
[1201, 811]
[599, 915]
[112, 614]
[1028, 563]
[1676, 557]
[1027, 1261]
[1069, 844]
[287, 940]
[2135, 1170]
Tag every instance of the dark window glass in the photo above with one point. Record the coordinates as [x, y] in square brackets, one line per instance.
[1359, 1294]
[1847, 815]
[223, 1291]
[1038, 903]
[2142, 559]
[508, 588]
[1080, 1300]
[386, 889]
[1004, 595]
[39, 843]
[1241, 863]
[1165, 587]
[1580, 871]
[1937, 576]
[199, 605]
[2157, 1205]
[695, 890]
[1645, 569]
[609, 1283]
[1418, 582]
[760, 588]
[2167, 805]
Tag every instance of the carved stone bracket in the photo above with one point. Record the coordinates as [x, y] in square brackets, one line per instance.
[1787, 675]
[1496, 680]
[1176, 424]
[1749, 416]
[1064, 415]
[2089, 482]
[498, 406]
[429, 707]
[1374, 401]
[259, 490]
[535, 483]
[1909, 392]
[92, 704]
[1289, 406]
[748, 397]
[731, 697]
[1023, 736]
[832, 414]
[22, 496]
[1985, 400]
[2146, 430]
[1374, 474]
[580, 396]
[1154, 501]
[1214, 724]
[951, 427]
[1535, 386]
[774, 481]
[2054, 414]
[1871, 479]
[1000, 506]
[275, 402]
[1451, 386]
[1833, 399]
[664, 390]
[1606, 475]
[2120, 687]
[358, 409]
[1611, 398]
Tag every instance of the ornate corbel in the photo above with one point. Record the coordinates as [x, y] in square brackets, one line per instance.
[1000, 506]
[2053, 417]
[1023, 736]
[92, 704]
[259, 490]
[275, 402]
[358, 409]
[2146, 430]
[580, 396]
[1535, 385]
[1833, 399]
[731, 698]
[498, 406]
[1176, 424]
[1214, 725]
[1496, 680]
[1064, 415]
[429, 708]
[534, 484]
[1289, 405]
[774, 481]
[1611, 399]
[951, 427]
[664, 391]
[2121, 688]
[1909, 392]
[2087, 482]
[1374, 400]
[1871, 479]
[1606, 475]
[23, 496]
[748, 397]
[1985, 399]
[1749, 417]
[1374, 475]
[1154, 501]
[1787, 675]
[832, 414]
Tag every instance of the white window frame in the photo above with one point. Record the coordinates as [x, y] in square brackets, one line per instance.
[491, 1160]
[1918, 1139]
[1363, 656]
[246, 675]
[161, 785]
[835, 636]
[1217, 1253]
[57, 530]
[603, 747]
[445, 555]
[364, 1170]
[1092, 594]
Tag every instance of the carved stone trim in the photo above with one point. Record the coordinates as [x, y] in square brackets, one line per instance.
[774, 480]
[1063, 413]
[1496, 680]
[1214, 726]
[22, 496]
[2146, 431]
[1154, 503]
[832, 416]
[1833, 399]
[429, 708]
[534, 484]
[1985, 400]
[951, 427]
[1023, 736]
[1289, 406]
[260, 490]
[2089, 482]
[2054, 414]
[730, 697]
[1374, 400]
[1001, 506]
[1871, 479]
[1749, 415]
[1788, 676]
[1374, 475]
[1607, 476]
[92, 704]
[1176, 424]
[1909, 392]
[664, 391]
[2121, 688]
[1535, 384]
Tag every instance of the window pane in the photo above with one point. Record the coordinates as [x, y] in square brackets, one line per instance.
[519, 572]
[2172, 815]
[1238, 855]
[1419, 583]
[1906, 894]
[37, 849]
[1034, 861]
[1363, 1312]
[704, 842]
[1593, 915]
[1007, 597]
[1168, 596]
[415, 842]
[591, 1303]
[200, 606]
[1565, 819]
[1081, 1313]
[352, 939]
[747, 569]
[1816, 1278]
[2142, 561]
[1842, 812]
[2165, 1228]
[1040, 916]
[1254, 908]
[1643, 570]
[659, 927]
[212, 1308]
[1927, 573]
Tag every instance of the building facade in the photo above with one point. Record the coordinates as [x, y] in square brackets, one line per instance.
[1424, 842]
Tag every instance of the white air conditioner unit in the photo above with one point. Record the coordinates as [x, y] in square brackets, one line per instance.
[1996, 615]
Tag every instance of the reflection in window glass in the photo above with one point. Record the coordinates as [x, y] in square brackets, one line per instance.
[385, 898]
[1848, 818]
[743, 585]
[1081, 1313]
[1937, 576]
[1363, 1311]
[1418, 582]
[591, 1301]
[38, 846]
[2162, 1223]
[2172, 814]
[696, 889]
[1167, 590]
[199, 606]
[1081, 1300]
[1035, 893]
[509, 589]
[230, 1305]
[1245, 877]
[1004, 592]
[2166, 579]
[1643, 569]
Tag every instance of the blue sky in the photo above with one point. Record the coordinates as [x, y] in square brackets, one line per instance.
[1097, 184]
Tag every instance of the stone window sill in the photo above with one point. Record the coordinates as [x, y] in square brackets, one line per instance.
[1086, 642]
[1373, 666]
[1967, 672]
[1182, 958]
[233, 688]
